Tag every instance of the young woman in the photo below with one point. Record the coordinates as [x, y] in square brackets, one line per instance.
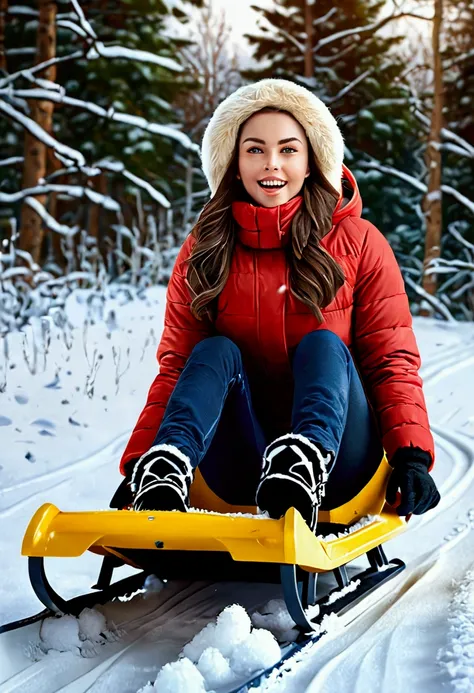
[288, 363]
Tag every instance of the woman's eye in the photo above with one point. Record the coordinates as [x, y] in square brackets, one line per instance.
[252, 148]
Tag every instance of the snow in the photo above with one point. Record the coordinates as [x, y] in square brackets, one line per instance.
[457, 655]
[258, 651]
[91, 624]
[351, 587]
[390, 645]
[61, 634]
[232, 627]
[215, 668]
[363, 522]
[180, 677]
[224, 651]
[203, 640]
[66, 633]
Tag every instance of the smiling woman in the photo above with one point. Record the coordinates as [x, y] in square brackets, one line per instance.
[278, 292]
[273, 173]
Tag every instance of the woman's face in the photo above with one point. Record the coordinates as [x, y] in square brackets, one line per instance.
[273, 147]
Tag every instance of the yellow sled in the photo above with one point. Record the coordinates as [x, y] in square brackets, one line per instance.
[232, 546]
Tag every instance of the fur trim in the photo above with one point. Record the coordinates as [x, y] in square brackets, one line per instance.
[220, 136]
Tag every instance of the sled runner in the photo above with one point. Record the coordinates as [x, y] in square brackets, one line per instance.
[222, 542]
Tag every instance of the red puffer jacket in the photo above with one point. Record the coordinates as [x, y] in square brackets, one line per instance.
[370, 313]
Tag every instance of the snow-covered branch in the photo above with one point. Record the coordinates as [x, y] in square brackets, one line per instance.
[22, 11]
[390, 171]
[345, 90]
[109, 114]
[49, 220]
[442, 266]
[98, 50]
[155, 194]
[432, 300]
[72, 26]
[11, 161]
[328, 59]
[458, 59]
[86, 26]
[41, 66]
[325, 17]
[264, 23]
[418, 184]
[34, 129]
[459, 197]
[455, 233]
[77, 191]
[365, 29]
[455, 149]
[448, 135]
[118, 167]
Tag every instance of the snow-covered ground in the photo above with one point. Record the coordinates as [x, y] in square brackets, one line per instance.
[64, 421]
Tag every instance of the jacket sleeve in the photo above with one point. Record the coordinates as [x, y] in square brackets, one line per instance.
[182, 331]
[386, 348]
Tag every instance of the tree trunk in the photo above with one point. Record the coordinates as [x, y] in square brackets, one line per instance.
[308, 53]
[432, 204]
[3, 14]
[34, 167]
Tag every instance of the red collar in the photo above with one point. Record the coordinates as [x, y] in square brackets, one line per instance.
[265, 227]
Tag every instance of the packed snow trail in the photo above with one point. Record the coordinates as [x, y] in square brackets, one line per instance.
[390, 648]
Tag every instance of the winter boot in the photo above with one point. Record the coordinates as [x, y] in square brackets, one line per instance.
[295, 471]
[161, 479]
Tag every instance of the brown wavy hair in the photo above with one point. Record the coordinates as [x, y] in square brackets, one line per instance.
[315, 277]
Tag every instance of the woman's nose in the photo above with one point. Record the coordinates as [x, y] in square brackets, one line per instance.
[273, 161]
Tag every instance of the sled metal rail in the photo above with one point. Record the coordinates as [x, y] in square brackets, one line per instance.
[252, 539]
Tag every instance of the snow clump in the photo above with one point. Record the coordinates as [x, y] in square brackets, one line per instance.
[70, 634]
[92, 624]
[233, 625]
[201, 641]
[259, 651]
[180, 677]
[61, 634]
[215, 668]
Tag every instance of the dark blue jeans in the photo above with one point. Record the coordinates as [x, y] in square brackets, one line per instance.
[210, 417]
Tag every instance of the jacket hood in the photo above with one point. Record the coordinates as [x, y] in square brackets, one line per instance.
[220, 136]
[268, 227]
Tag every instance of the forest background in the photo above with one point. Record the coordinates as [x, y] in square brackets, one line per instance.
[103, 106]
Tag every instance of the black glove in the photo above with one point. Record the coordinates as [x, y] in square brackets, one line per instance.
[410, 475]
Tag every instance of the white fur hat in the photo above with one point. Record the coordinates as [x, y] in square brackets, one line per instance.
[220, 136]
